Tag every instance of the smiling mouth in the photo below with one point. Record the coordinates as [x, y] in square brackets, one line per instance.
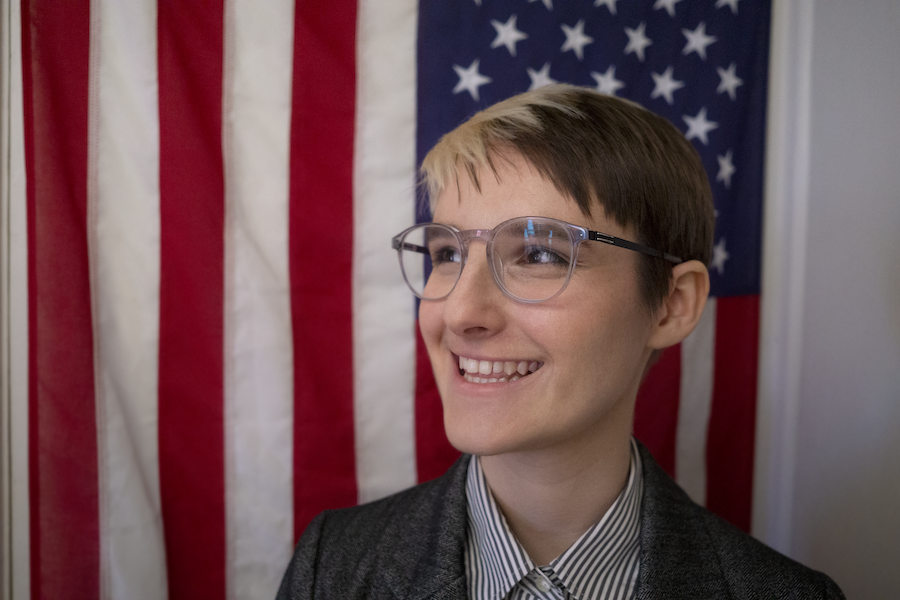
[498, 371]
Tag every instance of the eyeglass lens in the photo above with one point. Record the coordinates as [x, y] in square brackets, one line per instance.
[531, 259]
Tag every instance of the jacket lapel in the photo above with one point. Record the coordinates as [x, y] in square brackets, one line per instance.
[678, 559]
[440, 573]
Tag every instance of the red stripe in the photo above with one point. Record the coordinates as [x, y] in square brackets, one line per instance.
[656, 411]
[62, 419]
[192, 213]
[732, 422]
[321, 249]
[434, 454]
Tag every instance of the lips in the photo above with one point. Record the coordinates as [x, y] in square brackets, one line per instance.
[498, 371]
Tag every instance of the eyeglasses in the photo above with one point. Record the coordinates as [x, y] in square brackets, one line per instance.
[531, 258]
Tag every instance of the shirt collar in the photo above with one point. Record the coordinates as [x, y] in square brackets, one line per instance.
[602, 557]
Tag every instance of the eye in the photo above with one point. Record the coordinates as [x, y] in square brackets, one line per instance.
[445, 254]
[542, 255]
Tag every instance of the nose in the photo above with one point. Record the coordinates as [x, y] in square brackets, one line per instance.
[475, 306]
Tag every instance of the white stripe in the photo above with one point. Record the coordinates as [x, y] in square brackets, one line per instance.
[124, 230]
[695, 405]
[258, 346]
[383, 308]
[785, 240]
[15, 549]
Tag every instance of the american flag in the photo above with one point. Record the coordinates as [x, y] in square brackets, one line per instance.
[211, 339]
[703, 65]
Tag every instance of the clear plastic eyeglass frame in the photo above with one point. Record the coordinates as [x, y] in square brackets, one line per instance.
[576, 236]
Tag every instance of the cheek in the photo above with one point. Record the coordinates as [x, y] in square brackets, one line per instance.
[622, 349]
[607, 342]
[430, 324]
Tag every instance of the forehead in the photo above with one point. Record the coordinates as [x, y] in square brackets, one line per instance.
[514, 188]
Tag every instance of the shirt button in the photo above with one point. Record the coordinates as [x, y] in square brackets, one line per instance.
[542, 585]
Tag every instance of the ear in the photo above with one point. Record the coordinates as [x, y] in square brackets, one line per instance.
[681, 310]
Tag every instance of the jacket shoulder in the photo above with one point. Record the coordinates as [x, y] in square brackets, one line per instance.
[754, 570]
[409, 544]
[689, 552]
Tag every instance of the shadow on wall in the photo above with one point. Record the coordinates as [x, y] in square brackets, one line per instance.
[853, 531]
[892, 277]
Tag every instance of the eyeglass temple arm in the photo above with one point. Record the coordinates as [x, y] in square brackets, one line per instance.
[614, 241]
[396, 245]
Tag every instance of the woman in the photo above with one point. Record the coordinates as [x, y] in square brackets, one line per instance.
[570, 236]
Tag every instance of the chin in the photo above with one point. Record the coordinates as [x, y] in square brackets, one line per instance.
[491, 435]
[465, 438]
[476, 436]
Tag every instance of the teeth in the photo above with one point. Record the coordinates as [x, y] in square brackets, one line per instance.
[476, 379]
[477, 371]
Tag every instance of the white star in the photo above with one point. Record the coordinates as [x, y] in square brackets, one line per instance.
[507, 34]
[669, 5]
[575, 39]
[547, 3]
[730, 3]
[478, 2]
[470, 79]
[610, 4]
[697, 40]
[720, 255]
[607, 82]
[637, 41]
[726, 169]
[730, 81]
[699, 127]
[664, 85]
[540, 78]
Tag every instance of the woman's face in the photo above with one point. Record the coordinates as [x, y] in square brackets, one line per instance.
[589, 343]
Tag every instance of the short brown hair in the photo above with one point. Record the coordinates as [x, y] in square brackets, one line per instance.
[634, 163]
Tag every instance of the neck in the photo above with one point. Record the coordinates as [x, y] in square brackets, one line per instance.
[551, 497]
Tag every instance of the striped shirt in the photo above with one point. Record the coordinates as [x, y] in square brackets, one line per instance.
[602, 564]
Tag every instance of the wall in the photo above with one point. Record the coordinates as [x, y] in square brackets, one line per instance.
[846, 496]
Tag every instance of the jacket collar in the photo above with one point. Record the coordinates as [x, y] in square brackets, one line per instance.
[678, 559]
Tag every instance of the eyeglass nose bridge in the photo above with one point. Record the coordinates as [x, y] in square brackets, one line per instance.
[467, 235]
[486, 236]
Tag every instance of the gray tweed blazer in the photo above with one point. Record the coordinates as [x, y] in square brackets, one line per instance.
[411, 545]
